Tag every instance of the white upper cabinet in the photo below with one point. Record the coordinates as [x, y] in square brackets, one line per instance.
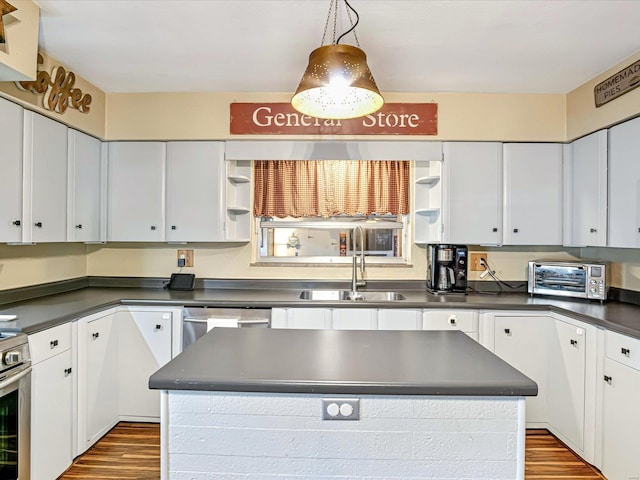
[84, 217]
[45, 164]
[11, 121]
[532, 194]
[585, 191]
[195, 194]
[136, 191]
[472, 192]
[624, 184]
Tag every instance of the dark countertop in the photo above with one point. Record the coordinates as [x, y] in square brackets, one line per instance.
[341, 362]
[51, 310]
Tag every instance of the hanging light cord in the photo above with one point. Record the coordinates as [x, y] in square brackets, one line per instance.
[353, 25]
[333, 8]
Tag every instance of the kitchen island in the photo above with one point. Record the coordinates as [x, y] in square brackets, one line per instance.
[327, 404]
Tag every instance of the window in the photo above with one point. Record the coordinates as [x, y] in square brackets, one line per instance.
[308, 211]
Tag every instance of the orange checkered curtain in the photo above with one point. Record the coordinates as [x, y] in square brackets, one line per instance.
[314, 188]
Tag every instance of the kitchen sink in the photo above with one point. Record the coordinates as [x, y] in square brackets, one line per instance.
[346, 295]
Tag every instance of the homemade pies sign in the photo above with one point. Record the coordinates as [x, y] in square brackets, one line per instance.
[282, 119]
[58, 90]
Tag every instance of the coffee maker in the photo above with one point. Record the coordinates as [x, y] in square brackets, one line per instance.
[447, 268]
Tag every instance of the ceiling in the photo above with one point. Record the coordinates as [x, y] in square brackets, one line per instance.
[516, 46]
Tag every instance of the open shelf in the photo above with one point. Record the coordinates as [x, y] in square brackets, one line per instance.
[238, 179]
[429, 180]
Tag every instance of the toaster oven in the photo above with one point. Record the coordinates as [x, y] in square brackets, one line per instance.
[568, 279]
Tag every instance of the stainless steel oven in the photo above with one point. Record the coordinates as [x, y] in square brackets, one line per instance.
[15, 407]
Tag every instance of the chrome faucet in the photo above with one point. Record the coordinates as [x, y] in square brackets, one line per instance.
[355, 283]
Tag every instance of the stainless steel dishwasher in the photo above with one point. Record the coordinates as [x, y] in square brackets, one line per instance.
[196, 321]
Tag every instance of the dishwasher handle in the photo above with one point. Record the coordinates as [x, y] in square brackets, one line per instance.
[241, 323]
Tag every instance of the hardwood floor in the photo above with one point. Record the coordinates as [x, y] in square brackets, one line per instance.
[128, 451]
[132, 451]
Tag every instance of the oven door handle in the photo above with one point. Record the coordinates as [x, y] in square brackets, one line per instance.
[15, 378]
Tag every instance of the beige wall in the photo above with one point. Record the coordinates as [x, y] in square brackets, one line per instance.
[23, 265]
[92, 123]
[461, 116]
[18, 54]
[582, 115]
[206, 116]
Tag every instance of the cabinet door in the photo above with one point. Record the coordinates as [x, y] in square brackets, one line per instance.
[585, 182]
[472, 192]
[144, 341]
[306, 318]
[354, 319]
[566, 381]
[85, 187]
[399, 319]
[101, 378]
[522, 343]
[11, 126]
[624, 184]
[532, 194]
[195, 192]
[51, 417]
[136, 191]
[621, 422]
[45, 163]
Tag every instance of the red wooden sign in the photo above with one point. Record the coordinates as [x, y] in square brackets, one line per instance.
[282, 119]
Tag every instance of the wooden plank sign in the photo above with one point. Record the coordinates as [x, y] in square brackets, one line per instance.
[282, 119]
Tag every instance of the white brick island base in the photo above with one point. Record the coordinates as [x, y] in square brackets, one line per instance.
[255, 436]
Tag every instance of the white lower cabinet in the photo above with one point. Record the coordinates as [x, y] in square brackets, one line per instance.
[464, 320]
[399, 319]
[354, 319]
[52, 391]
[97, 378]
[571, 385]
[621, 416]
[144, 343]
[522, 342]
[305, 318]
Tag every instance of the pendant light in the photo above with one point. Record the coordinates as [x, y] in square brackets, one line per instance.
[337, 83]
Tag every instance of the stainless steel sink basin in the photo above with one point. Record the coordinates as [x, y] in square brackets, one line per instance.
[346, 295]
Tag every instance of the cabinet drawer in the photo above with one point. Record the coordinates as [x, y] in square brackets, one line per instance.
[50, 342]
[450, 320]
[623, 349]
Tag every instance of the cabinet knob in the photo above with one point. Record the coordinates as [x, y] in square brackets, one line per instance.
[16, 223]
[67, 371]
[625, 351]
[38, 224]
[95, 335]
[574, 342]
[608, 379]
[494, 229]
[593, 230]
[507, 331]
[173, 227]
[158, 327]
[515, 230]
[53, 344]
[79, 226]
[153, 227]
[452, 320]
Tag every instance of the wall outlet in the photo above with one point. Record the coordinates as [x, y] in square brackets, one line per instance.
[187, 256]
[474, 263]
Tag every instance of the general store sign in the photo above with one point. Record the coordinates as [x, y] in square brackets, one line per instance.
[617, 85]
[282, 119]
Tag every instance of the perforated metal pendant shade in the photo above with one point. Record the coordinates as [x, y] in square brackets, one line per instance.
[337, 84]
